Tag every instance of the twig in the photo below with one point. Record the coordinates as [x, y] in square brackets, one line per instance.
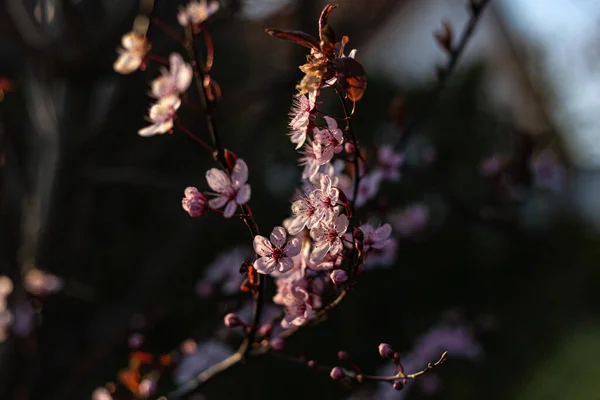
[476, 7]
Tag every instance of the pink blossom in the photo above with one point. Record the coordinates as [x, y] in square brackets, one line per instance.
[231, 191]
[319, 205]
[385, 256]
[132, 54]
[161, 115]
[412, 219]
[389, 163]
[300, 117]
[328, 237]
[338, 276]
[328, 262]
[276, 254]
[196, 12]
[299, 299]
[101, 394]
[173, 81]
[40, 283]
[368, 187]
[194, 202]
[330, 141]
[375, 238]
[310, 154]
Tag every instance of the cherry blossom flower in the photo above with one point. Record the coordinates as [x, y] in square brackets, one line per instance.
[338, 276]
[40, 283]
[320, 204]
[194, 202]
[300, 118]
[230, 191]
[328, 237]
[385, 256]
[299, 298]
[132, 54]
[196, 12]
[411, 220]
[101, 394]
[173, 81]
[375, 238]
[161, 115]
[330, 141]
[368, 187]
[276, 254]
[389, 163]
[310, 159]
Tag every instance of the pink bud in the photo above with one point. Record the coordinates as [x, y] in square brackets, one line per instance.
[338, 276]
[336, 373]
[343, 356]
[398, 385]
[265, 330]
[194, 202]
[278, 344]
[231, 320]
[311, 364]
[385, 350]
[349, 147]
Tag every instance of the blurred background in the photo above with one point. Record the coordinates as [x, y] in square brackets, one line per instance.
[497, 209]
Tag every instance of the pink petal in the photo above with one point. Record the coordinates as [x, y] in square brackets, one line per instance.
[243, 195]
[382, 233]
[331, 123]
[293, 247]
[265, 265]
[341, 224]
[230, 209]
[335, 247]
[218, 202]
[297, 225]
[319, 251]
[317, 233]
[278, 236]
[262, 246]
[218, 180]
[285, 264]
[239, 175]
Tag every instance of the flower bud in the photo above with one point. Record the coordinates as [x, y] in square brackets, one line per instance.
[396, 358]
[398, 385]
[349, 147]
[232, 320]
[278, 344]
[311, 364]
[338, 276]
[265, 330]
[336, 373]
[343, 356]
[385, 350]
[194, 202]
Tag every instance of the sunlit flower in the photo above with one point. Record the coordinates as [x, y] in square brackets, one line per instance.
[368, 187]
[196, 12]
[230, 191]
[320, 204]
[330, 140]
[276, 254]
[173, 81]
[194, 202]
[101, 394]
[300, 117]
[161, 115]
[375, 238]
[132, 54]
[310, 159]
[328, 237]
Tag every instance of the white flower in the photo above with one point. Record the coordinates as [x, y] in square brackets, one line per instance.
[132, 54]
[330, 140]
[309, 159]
[230, 191]
[276, 254]
[328, 237]
[320, 204]
[161, 115]
[300, 117]
[196, 12]
[174, 81]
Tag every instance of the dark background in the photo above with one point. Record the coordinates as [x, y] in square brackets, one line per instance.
[85, 198]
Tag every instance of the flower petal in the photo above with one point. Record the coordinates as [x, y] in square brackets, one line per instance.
[278, 236]
[218, 180]
[262, 246]
[382, 233]
[319, 251]
[285, 264]
[230, 209]
[218, 202]
[297, 225]
[127, 62]
[243, 195]
[331, 123]
[341, 224]
[293, 247]
[265, 265]
[239, 175]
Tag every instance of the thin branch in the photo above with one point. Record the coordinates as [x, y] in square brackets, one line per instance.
[476, 7]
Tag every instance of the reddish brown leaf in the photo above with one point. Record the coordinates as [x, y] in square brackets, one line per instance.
[301, 38]
[351, 77]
